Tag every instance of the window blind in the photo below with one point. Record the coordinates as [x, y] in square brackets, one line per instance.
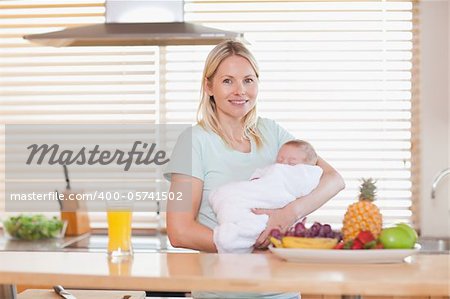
[72, 85]
[335, 73]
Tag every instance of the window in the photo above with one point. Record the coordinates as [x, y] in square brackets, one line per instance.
[337, 74]
[73, 85]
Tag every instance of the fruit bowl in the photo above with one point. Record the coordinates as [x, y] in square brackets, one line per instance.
[326, 256]
[33, 227]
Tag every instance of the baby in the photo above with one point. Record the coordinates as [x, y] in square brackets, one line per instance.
[294, 175]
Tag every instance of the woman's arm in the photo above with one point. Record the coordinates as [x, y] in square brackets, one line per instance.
[330, 184]
[183, 228]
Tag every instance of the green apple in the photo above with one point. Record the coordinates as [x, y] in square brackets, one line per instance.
[396, 238]
[411, 231]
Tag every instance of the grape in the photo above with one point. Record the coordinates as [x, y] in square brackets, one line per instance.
[315, 228]
[330, 234]
[326, 228]
[300, 229]
[290, 233]
[316, 224]
[276, 233]
[337, 235]
[300, 234]
[300, 226]
[309, 234]
[325, 231]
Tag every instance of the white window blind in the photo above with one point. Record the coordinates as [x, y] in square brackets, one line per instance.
[335, 73]
[73, 85]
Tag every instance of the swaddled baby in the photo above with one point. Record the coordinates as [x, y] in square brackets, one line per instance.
[294, 175]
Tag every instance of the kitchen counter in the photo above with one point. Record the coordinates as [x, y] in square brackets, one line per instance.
[159, 267]
[422, 275]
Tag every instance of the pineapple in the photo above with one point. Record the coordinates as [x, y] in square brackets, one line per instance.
[363, 215]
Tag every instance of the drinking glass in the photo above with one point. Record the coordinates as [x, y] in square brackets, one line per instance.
[119, 215]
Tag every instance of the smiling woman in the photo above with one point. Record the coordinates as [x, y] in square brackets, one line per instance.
[229, 93]
[234, 94]
[217, 160]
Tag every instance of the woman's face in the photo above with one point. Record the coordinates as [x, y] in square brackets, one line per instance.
[234, 87]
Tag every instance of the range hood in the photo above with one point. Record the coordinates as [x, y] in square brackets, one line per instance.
[137, 23]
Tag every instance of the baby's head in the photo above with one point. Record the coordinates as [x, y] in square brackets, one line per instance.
[297, 152]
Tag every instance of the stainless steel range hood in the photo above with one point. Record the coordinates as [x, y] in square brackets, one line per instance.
[137, 23]
[131, 34]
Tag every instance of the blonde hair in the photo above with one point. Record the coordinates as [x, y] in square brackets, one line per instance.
[311, 155]
[207, 113]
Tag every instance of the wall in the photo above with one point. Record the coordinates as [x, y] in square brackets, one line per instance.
[434, 118]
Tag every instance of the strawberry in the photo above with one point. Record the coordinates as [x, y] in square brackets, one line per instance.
[348, 244]
[379, 246]
[365, 237]
[339, 245]
[357, 244]
[370, 245]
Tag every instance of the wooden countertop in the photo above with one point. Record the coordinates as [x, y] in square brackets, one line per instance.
[423, 275]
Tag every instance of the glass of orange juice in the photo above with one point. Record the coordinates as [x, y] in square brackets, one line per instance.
[119, 215]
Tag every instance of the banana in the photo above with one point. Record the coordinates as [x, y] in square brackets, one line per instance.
[308, 243]
[276, 242]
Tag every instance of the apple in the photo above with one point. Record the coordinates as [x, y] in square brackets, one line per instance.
[396, 238]
[411, 231]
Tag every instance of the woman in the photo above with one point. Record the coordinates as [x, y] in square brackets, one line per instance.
[228, 144]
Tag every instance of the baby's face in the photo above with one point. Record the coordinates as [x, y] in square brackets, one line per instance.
[291, 155]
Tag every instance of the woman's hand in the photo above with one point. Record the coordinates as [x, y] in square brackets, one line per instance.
[261, 251]
[281, 219]
[330, 184]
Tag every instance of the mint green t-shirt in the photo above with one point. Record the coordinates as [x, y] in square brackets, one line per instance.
[217, 164]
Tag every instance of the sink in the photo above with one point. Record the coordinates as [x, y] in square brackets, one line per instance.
[430, 245]
[99, 243]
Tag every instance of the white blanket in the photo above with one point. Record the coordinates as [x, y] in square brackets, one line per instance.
[270, 188]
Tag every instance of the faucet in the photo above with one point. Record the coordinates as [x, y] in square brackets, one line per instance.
[436, 181]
